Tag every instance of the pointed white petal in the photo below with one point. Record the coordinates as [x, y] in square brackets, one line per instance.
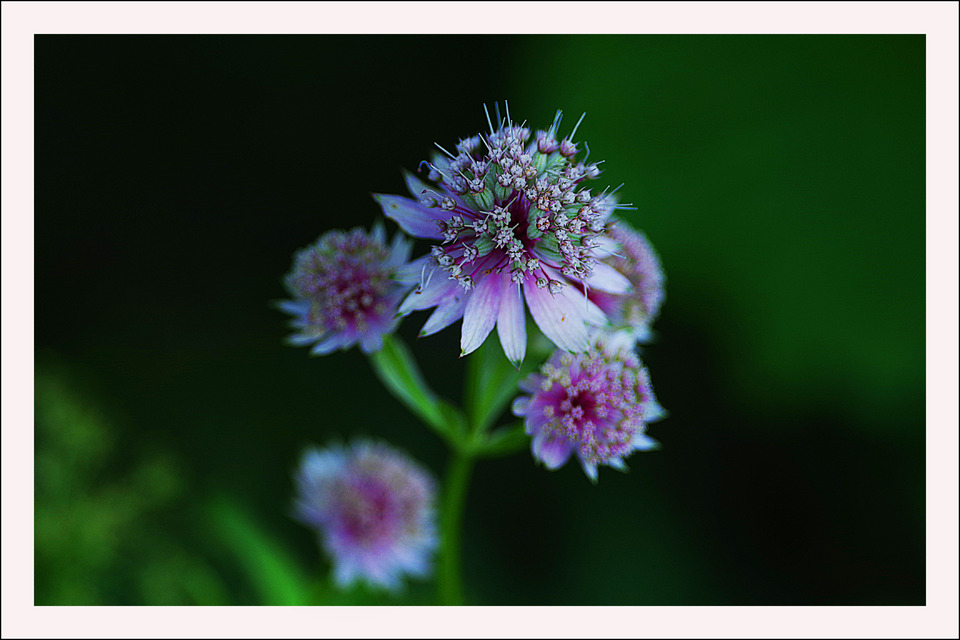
[480, 314]
[643, 442]
[558, 316]
[606, 278]
[511, 323]
[445, 315]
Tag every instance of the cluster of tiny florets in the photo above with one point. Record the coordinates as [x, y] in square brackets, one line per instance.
[597, 403]
[513, 198]
[345, 277]
[374, 509]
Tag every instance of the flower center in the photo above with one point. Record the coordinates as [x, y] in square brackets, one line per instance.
[593, 405]
[515, 204]
[367, 510]
[345, 279]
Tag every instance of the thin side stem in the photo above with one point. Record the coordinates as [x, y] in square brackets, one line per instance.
[455, 491]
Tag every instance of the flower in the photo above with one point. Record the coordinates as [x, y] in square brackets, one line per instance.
[374, 509]
[514, 225]
[344, 291]
[596, 404]
[635, 258]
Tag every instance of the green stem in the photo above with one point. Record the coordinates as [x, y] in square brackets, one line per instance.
[455, 490]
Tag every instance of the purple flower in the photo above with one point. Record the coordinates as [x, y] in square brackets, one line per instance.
[635, 258]
[595, 404]
[373, 508]
[514, 225]
[344, 290]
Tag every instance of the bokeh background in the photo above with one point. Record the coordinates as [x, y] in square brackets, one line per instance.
[780, 178]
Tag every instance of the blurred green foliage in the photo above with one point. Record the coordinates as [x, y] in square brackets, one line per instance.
[96, 510]
[780, 178]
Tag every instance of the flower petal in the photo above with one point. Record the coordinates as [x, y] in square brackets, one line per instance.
[591, 313]
[511, 324]
[605, 247]
[413, 217]
[553, 452]
[400, 249]
[294, 307]
[480, 314]
[643, 442]
[413, 272]
[445, 315]
[303, 338]
[331, 342]
[652, 411]
[371, 342]
[378, 234]
[590, 468]
[531, 383]
[416, 186]
[606, 278]
[558, 316]
[439, 289]
[519, 406]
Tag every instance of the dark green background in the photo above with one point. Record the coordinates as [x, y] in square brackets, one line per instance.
[780, 178]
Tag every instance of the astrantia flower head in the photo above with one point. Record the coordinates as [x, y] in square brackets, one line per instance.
[595, 404]
[374, 510]
[344, 290]
[635, 258]
[513, 222]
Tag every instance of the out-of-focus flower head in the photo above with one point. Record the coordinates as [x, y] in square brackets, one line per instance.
[634, 257]
[374, 509]
[595, 404]
[513, 223]
[344, 291]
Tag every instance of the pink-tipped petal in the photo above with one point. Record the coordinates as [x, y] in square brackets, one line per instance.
[558, 316]
[413, 217]
[480, 314]
[553, 452]
[511, 324]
